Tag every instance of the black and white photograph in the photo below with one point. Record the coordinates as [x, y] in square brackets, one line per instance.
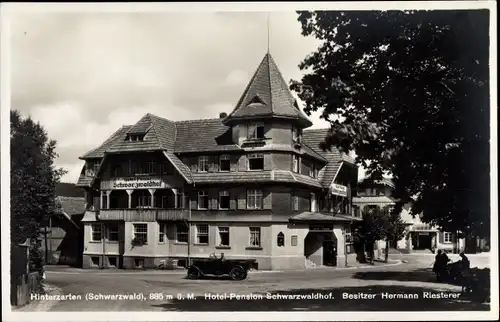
[258, 161]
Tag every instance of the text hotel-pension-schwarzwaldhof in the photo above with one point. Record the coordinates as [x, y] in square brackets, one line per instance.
[253, 183]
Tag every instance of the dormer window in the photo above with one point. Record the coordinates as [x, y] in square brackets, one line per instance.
[203, 163]
[224, 163]
[256, 131]
[135, 137]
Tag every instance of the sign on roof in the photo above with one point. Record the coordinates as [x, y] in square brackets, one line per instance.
[338, 190]
[138, 183]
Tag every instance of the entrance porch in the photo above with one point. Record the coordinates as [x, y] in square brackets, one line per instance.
[328, 241]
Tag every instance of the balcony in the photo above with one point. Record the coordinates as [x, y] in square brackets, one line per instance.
[144, 214]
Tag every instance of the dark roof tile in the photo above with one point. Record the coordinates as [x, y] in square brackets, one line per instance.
[203, 135]
[313, 138]
[72, 205]
[98, 152]
[268, 86]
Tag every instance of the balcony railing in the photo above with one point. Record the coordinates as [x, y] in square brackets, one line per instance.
[143, 214]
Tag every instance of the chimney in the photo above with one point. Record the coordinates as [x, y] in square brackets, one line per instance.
[222, 115]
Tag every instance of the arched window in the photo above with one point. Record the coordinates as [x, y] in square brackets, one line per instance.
[281, 239]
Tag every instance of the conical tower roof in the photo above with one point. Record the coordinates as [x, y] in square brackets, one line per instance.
[267, 95]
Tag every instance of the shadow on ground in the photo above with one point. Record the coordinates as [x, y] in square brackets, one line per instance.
[328, 304]
[418, 275]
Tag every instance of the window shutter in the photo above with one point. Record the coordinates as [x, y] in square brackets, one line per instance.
[441, 237]
[215, 163]
[234, 162]
[242, 164]
[233, 201]
[193, 196]
[266, 199]
[242, 200]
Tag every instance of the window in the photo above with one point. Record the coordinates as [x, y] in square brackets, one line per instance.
[312, 170]
[224, 199]
[143, 199]
[447, 238]
[224, 163]
[113, 232]
[141, 232]
[281, 240]
[112, 261]
[296, 163]
[224, 236]
[256, 131]
[96, 165]
[162, 233]
[202, 199]
[294, 240]
[180, 200]
[117, 170]
[91, 168]
[296, 134]
[95, 260]
[256, 161]
[139, 262]
[181, 233]
[96, 232]
[146, 168]
[202, 234]
[254, 236]
[254, 199]
[136, 137]
[315, 172]
[203, 163]
[295, 203]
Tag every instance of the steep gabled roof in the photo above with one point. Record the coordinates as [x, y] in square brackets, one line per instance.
[141, 127]
[115, 137]
[267, 95]
[313, 138]
[159, 134]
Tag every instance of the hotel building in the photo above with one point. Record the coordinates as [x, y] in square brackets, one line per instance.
[253, 183]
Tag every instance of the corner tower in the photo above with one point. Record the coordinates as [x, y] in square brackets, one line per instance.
[267, 105]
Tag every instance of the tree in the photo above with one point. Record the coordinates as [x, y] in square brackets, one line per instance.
[368, 231]
[409, 93]
[33, 182]
[378, 224]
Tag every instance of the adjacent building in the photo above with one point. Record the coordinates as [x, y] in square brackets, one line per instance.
[63, 237]
[252, 183]
[420, 237]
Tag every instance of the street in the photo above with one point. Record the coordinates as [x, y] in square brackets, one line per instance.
[377, 288]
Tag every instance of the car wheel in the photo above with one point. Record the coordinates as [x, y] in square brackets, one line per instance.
[193, 273]
[237, 273]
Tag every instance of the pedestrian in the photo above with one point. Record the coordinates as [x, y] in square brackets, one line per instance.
[437, 265]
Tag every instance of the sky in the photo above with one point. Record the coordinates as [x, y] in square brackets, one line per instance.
[84, 75]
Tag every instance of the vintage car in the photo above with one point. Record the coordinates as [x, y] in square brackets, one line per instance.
[237, 269]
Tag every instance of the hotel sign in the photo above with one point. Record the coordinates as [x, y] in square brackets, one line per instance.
[338, 190]
[137, 183]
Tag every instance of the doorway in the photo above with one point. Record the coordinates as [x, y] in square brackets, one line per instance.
[330, 253]
[422, 241]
